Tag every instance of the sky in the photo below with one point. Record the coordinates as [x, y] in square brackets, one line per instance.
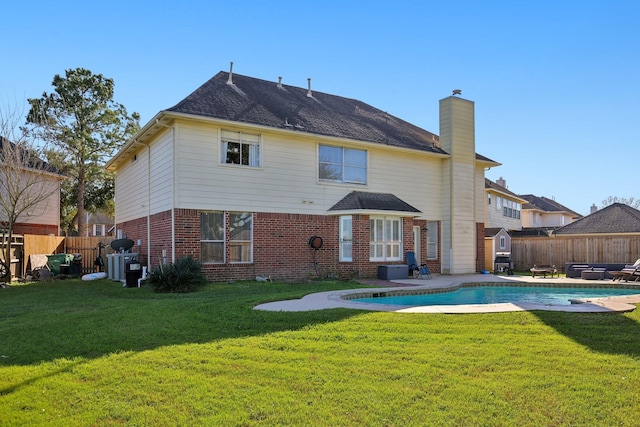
[556, 84]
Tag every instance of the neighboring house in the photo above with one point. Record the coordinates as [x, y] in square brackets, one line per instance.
[503, 207]
[99, 224]
[615, 219]
[44, 217]
[541, 212]
[255, 177]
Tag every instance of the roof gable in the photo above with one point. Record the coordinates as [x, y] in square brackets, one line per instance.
[275, 105]
[615, 218]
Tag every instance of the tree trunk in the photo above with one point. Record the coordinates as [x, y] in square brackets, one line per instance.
[81, 218]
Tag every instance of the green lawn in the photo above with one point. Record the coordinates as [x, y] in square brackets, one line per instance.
[78, 353]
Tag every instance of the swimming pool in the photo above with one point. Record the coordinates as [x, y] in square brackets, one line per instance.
[497, 294]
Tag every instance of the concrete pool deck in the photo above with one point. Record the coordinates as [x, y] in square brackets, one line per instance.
[334, 299]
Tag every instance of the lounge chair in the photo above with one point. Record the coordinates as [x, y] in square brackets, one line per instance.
[419, 271]
[629, 272]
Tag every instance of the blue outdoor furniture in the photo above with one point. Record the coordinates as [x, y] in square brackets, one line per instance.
[419, 271]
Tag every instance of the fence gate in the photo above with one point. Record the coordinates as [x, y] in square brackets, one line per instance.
[89, 249]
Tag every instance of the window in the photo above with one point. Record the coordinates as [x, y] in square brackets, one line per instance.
[346, 238]
[240, 237]
[385, 243]
[503, 242]
[498, 203]
[489, 199]
[212, 237]
[98, 230]
[432, 240]
[511, 209]
[240, 149]
[340, 164]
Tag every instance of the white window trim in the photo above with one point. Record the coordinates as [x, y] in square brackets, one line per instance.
[346, 240]
[250, 241]
[343, 181]
[243, 138]
[432, 231]
[224, 245]
[387, 244]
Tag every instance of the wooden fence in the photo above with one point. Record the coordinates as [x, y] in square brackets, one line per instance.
[87, 247]
[529, 251]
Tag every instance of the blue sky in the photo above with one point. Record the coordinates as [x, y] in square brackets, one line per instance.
[555, 83]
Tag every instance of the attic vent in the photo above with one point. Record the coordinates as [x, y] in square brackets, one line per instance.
[280, 82]
[230, 81]
[309, 94]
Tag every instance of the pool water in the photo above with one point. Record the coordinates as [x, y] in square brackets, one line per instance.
[500, 294]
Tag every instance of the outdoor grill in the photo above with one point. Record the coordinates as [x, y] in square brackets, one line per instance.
[503, 262]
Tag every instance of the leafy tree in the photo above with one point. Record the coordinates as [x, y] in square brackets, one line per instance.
[84, 127]
[634, 203]
[26, 182]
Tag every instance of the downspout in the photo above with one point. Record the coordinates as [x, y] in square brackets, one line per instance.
[149, 206]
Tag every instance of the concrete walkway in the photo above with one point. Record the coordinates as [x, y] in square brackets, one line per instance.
[334, 299]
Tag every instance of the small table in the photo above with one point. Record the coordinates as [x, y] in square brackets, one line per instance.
[544, 271]
[592, 274]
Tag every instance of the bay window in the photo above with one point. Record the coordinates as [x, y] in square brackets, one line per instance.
[385, 242]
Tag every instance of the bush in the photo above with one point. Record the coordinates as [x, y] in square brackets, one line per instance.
[184, 275]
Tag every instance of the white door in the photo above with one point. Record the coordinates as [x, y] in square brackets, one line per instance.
[416, 243]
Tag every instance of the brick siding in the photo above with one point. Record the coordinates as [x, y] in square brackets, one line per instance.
[280, 245]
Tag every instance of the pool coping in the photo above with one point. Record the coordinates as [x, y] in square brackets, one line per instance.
[336, 299]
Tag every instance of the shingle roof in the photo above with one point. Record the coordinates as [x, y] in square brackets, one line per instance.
[281, 106]
[615, 218]
[33, 161]
[361, 200]
[497, 187]
[545, 204]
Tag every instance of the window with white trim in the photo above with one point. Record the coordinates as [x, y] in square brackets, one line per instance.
[503, 242]
[432, 239]
[98, 230]
[240, 237]
[240, 148]
[212, 237]
[346, 238]
[385, 242]
[341, 164]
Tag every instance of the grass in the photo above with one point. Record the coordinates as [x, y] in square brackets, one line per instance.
[93, 353]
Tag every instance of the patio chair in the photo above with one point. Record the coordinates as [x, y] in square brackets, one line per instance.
[419, 271]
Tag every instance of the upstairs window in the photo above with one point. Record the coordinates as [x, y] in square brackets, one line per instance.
[241, 149]
[341, 164]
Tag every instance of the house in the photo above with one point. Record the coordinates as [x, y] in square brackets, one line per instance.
[615, 219]
[256, 177]
[99, 224]
[542, 212]
[504, 207]
[42, 214]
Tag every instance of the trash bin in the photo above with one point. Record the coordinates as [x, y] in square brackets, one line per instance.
[57, 260]
[76, 265]
[133, 271]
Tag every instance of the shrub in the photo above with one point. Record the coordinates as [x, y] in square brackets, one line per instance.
[184, 275]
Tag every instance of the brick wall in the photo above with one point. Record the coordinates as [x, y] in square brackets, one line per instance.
[38, 229]
[280, 245]
[480, 256]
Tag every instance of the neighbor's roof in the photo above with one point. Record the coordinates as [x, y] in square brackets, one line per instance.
[34, 162]
[490, 185]
[362, 200]
[613, 219]
[546, 205]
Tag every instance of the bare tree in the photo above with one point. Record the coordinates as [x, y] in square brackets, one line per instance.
[26, 182]
[634, 203]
